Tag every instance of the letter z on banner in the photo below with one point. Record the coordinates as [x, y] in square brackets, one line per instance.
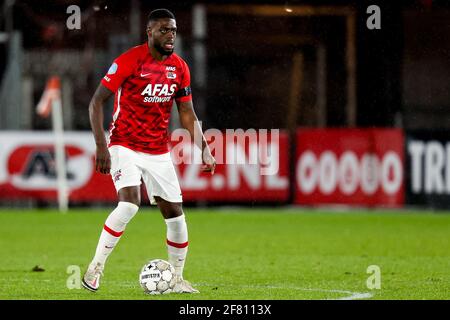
[350, 166]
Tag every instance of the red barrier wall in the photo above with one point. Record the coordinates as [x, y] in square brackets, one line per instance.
[350, 166]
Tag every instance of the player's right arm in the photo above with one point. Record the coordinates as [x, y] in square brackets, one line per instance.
[102, 157]
[120, 70]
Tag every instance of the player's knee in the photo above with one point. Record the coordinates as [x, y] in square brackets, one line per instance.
[131, 195]
[128, 210]
[173, 213]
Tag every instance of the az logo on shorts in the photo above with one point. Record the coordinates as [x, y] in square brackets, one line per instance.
[117, 175]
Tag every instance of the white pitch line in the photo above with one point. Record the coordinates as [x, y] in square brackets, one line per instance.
[351, 295]
[357, 295]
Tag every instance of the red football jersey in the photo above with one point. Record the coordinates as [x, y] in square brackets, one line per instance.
[145, 89]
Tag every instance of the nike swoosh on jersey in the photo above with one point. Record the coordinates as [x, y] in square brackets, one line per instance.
[145, 74]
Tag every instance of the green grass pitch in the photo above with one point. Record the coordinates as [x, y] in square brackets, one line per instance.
[247, 254]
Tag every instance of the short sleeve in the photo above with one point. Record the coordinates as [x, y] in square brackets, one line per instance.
[184, 93]
[120, 70]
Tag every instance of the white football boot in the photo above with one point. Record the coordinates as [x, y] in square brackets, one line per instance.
[91, 279]
[183, 286]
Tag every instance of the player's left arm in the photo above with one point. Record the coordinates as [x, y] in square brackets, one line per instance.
[189, 121]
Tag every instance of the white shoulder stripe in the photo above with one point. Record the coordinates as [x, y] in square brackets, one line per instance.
[116, 114]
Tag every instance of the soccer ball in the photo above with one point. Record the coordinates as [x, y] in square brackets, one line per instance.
[157, 277]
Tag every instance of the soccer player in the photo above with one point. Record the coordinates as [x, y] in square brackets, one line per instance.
[145, 79]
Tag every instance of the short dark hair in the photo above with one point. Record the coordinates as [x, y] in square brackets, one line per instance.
[160, 14]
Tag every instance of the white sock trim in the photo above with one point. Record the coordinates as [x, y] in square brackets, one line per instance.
[179, 218]
[128, 205]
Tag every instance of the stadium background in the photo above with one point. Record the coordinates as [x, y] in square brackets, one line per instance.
[364, 119]
[288, 66]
